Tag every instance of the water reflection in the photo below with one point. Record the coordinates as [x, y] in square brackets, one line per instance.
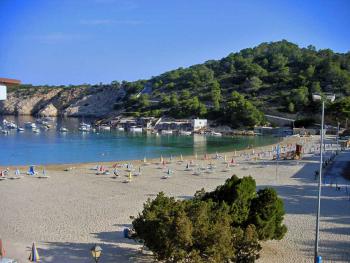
[52, 146]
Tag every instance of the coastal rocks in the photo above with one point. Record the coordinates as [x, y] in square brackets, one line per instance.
[93, 101]
[97, 104]
[48, 111]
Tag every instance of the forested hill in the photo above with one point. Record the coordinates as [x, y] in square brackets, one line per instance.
[277, 77]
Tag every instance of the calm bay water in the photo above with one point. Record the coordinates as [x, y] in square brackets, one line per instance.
[52, 146]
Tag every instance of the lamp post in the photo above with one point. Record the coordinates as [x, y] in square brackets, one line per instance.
[318, 97]
[338, 127]
[96, 252]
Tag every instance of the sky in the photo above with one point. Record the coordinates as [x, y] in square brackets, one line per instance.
[62, 42]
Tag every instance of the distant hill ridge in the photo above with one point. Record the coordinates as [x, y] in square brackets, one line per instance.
[274, 78]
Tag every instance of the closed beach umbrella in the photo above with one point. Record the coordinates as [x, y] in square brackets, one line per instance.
[34, 255]
[144, 159]
[181, 158]
[161, 158]
[196, 156]
[130, 176]
[2, 250]
[187, 166]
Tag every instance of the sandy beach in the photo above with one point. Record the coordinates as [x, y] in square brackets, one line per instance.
[68, 212]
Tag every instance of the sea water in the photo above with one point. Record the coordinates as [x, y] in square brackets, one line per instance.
[54, 147]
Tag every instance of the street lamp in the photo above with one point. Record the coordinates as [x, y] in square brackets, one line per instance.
[96, 252]
[318, 97]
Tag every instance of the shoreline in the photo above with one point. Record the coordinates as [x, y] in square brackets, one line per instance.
[70, 211]
[282, 141]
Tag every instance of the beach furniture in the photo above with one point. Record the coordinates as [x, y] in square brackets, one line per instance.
[197, 172]
[138, 173]
[226, 168]
[31, 170]
[3, 174]
[144, 162]
[188, 167]
[44, 175]
[34, 255]
[2, 250]
[180, 161]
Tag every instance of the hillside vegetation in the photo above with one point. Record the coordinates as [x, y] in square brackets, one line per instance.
[275, 78]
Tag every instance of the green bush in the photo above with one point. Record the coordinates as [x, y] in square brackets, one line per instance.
[220, 226]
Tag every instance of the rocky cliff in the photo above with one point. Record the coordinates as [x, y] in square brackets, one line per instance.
[95, 101]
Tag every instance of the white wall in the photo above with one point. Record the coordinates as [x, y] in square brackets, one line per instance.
[3, 93]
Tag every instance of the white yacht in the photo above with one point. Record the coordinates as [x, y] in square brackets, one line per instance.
[63, 129]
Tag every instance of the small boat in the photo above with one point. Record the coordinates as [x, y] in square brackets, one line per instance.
[30, 125]
[216, 133]
[11, 125]
[4, 131]
[63, 129]
[167, 132]
[84, 127]
[36, 130]
[135, 129]
[20, 129]
[185, 133]
[121, 129]
[105, 127]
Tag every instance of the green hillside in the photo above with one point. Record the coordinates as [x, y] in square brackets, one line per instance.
[277, 77]
[274, 78]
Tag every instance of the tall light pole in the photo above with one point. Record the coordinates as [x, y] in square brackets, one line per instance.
[338, 128]
[317, 97]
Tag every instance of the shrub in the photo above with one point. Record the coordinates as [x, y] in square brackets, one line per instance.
[224, 225]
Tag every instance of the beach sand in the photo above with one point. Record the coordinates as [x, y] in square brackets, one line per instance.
[70, 211]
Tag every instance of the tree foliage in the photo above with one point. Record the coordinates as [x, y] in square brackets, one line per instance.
[224, 225]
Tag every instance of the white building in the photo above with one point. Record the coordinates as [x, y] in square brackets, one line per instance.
[4, 82]
[198, 124]
[3, 92]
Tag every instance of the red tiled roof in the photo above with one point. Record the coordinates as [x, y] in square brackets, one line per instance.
[10, 81]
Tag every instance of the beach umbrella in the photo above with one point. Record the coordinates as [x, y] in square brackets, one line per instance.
[34, 255]
[196, 156]
[181, 158]
[144, 159]
[130, 177]
[225, 158]
[17, 172]
[2, 250]
[168, 171]
[161, 158]
[171, 157]
[205, 156]
[187, 166]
